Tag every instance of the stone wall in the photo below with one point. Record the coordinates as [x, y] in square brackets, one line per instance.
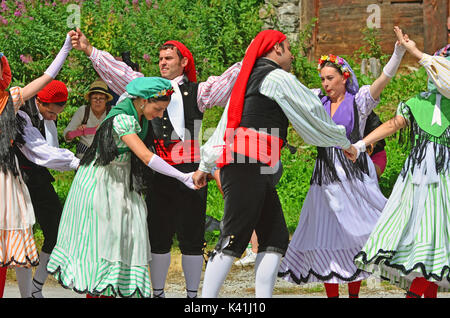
[283, 15]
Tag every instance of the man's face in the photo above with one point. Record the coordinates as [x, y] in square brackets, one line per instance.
[285, 56]
[49, 111]
[448, 29]
[170, 64]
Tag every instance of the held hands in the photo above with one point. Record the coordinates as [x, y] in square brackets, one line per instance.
[407, 43]
[80, 42]
[200, 178]
[351, 153]
[189, 181]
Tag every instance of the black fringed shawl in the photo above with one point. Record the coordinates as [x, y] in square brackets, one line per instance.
[104, 150]
[325, 170]
[417, 139]
[8, 136]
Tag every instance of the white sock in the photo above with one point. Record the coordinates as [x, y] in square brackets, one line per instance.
[215, 274]
[159, 266]
[23, 276]
[266, 270]
[40, 276]
[192, 268]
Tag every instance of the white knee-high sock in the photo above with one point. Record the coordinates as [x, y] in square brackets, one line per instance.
[215, 274]
[159, 266]
[40, 276]
[192, 269]
[266, 270]
[24, 276]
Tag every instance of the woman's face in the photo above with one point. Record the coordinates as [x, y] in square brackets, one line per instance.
[98, 102]
[154, 109]
[332, 82]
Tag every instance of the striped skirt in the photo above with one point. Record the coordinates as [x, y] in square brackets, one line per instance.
[412, 237]
[335, 222]
[103, 246]
[17, 245]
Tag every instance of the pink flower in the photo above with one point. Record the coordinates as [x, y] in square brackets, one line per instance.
[18, 13]
[26, 58]
[146, 57]
[4, 6]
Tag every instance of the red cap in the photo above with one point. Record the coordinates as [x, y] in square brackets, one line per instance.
[189, 70]
[54, 92]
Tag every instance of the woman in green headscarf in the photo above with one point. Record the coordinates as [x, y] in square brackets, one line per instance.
[103, 247]
[410, 243]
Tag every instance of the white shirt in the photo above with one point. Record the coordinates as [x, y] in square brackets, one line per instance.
[301, 106]
[39, 151]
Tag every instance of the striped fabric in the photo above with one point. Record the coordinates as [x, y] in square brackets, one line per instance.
[438, 70]
[301, 106]
[17, 246]
[103, 246]
[214, 92]
[17, 98]
[412, 237]
[335, 221]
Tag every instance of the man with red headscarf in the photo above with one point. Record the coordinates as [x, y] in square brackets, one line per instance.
[246, 146]
[172, 208]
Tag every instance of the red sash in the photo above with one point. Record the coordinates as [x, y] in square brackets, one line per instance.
[261, 146]
[178, 151]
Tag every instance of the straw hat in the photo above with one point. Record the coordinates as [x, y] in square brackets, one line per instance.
[98, 87]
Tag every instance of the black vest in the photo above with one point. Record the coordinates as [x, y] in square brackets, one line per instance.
[31, 172]
[163, 128]
[261, 112]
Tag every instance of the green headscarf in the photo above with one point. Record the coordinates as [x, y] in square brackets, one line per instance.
[144, 87]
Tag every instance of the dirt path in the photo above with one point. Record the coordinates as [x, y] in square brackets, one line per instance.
[239, 284]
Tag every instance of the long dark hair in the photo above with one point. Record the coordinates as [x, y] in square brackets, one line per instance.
[104, 150]
[8, 136]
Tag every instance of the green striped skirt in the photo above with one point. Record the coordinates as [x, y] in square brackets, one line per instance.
[103, 246]
[412, 236]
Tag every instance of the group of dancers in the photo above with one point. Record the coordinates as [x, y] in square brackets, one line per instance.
[144, 177]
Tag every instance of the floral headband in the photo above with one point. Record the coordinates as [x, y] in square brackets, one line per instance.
[164, 92]
[338, 61]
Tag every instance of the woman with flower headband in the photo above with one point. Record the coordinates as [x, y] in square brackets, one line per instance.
[344, 201]
[17, 245]
[103, 247]
[409, 245]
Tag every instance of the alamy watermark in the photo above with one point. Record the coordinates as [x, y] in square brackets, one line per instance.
[374, 19]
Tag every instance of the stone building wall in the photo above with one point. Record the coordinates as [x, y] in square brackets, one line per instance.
[283, 15]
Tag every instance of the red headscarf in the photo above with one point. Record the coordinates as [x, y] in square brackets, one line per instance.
[54, 92]
[7, 76]
[260, 45]
[4, 83]
[189, 70]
